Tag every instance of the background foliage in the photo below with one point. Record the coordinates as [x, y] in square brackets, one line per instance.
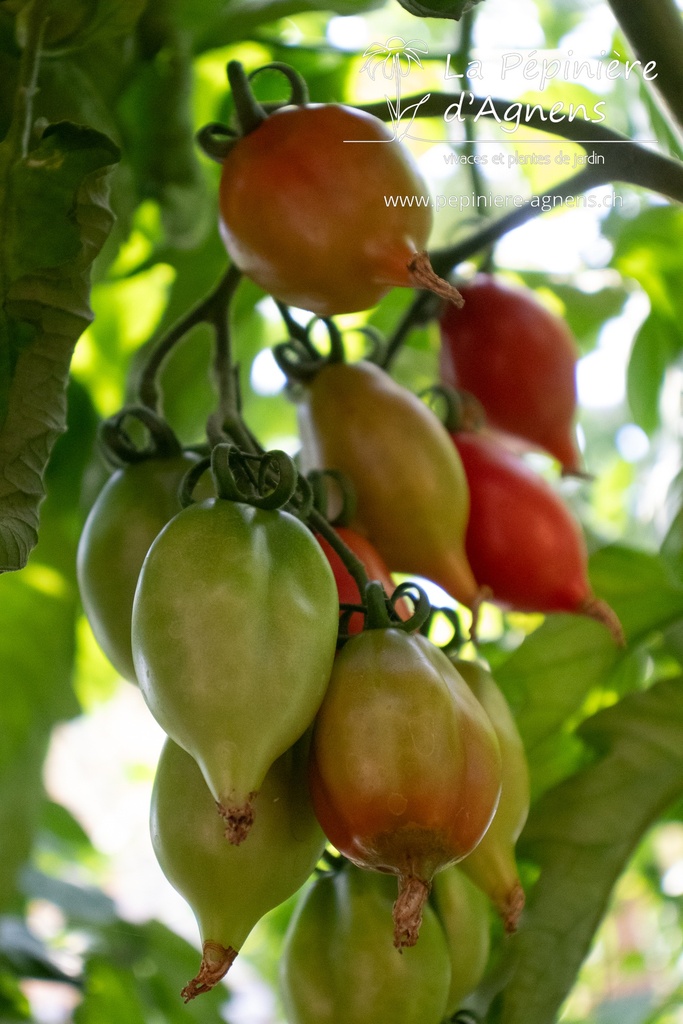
[116, 179]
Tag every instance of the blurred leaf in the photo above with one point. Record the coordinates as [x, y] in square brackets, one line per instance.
[156, 121]
[37, 647]
[640, 587]
[657, 344]
[548, 677]
[77, 24]
[439, 8]
[582, 834]
[82, 906]
[25, 955]
[136, 975]
[55, 224]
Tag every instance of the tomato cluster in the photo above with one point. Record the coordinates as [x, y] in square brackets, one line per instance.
[303, 702]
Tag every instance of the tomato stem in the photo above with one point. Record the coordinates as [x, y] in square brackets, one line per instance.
[319, 524]
[210, 310]
[249, 112]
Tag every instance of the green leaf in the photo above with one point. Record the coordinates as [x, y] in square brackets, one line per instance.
[582, 834]
[55, 215]
[439, 8]
[37, 648]
[136, 975]
[24, 954]
[547, 678]
[640, 587]
[156, 116]
[657, 343]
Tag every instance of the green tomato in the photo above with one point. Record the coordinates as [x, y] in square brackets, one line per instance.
[132, 508]
[463, 911]
[234, 633]
[492, 864]
[340, 966]
[230, 888]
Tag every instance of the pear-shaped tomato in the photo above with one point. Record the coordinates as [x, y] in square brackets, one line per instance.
[462, 910]
[492, 865]
[522, 541]
[234, 633]
[339, 964]
[518, 359]
[230, 888]
[132, 508]
[327, 251]
[405, 766]
[413, 502]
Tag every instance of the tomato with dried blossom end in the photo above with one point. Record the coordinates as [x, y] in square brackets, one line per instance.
[235, 625]
[405, 765]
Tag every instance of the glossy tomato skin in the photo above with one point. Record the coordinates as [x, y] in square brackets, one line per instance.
[462, 910]
[130, 511]
[492, 865]
[405, 766]
[303, 211]
[521, 540]
[518, 359]
[373, 563]
[230, 888]
[234, 633]
[413, 501]
[339, 965]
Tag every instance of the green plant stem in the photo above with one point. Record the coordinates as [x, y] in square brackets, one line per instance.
[624, 160]
[654, 28]
[211, 310]
[319, 524]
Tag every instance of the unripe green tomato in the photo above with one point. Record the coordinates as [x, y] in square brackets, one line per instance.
[492, 864]
[234, 634]
[131, 509]
[340, 966]
[231, 887]
[463, 911]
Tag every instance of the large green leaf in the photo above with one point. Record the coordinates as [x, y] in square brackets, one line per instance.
[582, 834]
[39, 608]
[641, 588]
[54, 211]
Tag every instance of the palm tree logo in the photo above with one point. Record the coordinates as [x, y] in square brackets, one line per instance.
[395, 58]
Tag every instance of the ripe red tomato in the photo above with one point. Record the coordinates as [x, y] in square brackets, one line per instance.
[521, 540]
[518, 359]
[303, 210]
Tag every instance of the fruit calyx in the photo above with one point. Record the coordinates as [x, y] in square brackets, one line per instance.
[216, 140]
[216, 962]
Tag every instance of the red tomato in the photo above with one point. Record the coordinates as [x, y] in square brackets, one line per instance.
[521, 540]
[519, 360]
[303, 209]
